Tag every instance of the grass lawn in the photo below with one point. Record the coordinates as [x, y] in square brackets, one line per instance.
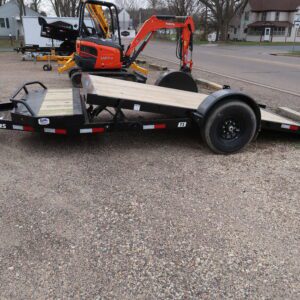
[295, 53]
[4, 43]
[260, 44]
[172, 38]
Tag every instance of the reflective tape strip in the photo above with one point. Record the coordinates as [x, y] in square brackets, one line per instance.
[23, 128]
[17, 127]
[290, 127]
[49, 130]
[148, 127]
[155, 126]
[160, 126]
[92, 130]
[87, 130]
[55, 131]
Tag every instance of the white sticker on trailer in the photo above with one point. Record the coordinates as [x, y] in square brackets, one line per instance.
[44, 121]
[285, 126]
[2, 126]
[137, 107]
[182, 124]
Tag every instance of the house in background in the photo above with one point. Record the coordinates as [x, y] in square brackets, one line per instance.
[125, 20]
[267, 20]
[10, 22]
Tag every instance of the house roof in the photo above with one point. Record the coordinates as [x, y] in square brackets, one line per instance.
[270, 24]
[274, 5]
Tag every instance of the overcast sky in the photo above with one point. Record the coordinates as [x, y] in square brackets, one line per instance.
[46, 6]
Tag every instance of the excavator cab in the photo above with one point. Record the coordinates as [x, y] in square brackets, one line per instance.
[99, 45]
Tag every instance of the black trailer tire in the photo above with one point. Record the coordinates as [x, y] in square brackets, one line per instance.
[76, 79]
[230, 127]
[72, 71]
[177, 80]
[47, 68]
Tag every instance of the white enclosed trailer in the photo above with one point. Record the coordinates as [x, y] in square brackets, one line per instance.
[32, 31]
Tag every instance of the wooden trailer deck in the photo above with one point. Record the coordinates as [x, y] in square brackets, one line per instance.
[137, 92]
[57, 102]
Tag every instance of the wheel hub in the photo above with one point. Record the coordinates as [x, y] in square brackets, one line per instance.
[230, 130]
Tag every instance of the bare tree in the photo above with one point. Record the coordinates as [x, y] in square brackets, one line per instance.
[65, 8]
[183, 7]
[22, 8]
[154, 5]
[35, 5]
[129, 5]
[223, 11]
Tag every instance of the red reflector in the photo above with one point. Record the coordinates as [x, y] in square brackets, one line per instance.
[98, 130]
[294, 128]
[60, 131]
[28, 128]
[160, 126]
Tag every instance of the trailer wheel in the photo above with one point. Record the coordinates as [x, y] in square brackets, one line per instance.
[177, 80]
[72, 71]
[47, 68]
[76, 79]
[230, 127]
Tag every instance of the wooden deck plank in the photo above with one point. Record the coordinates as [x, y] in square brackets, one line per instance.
[57, 102]
[137, 92]
[271, 117]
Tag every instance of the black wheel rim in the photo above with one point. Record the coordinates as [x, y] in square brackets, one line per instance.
[230, 129]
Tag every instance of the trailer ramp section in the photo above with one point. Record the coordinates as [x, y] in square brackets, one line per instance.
[101, 90]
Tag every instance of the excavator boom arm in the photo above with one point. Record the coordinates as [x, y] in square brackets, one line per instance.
[156, 23]
[96, 12]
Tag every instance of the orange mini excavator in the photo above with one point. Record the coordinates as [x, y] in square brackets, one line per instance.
[99, 55]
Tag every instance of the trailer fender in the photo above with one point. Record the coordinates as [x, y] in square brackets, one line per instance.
[213, 100]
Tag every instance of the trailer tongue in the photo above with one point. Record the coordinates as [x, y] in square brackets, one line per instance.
[228, 121]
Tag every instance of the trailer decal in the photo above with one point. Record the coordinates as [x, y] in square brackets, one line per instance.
[182, 124]
[55, 131]
[92, 130]
[2, 126]
[44, 121]
[155, 126]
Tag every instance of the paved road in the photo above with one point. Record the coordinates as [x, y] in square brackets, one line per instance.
[248, 63]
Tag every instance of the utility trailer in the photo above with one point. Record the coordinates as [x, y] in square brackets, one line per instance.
[227, 120]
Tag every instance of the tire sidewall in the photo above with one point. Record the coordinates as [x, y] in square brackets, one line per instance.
[235, 110]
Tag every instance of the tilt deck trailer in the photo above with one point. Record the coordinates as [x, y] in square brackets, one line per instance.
[228, 121]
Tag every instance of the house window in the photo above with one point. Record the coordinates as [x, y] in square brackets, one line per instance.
[256, 31]
[7, 23]
[2, 23]
[247, 14]
[264, 16]
[277, 16]
[235, 30]
[279, 31]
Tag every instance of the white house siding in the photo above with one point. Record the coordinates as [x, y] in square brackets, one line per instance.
[125, 20]
[11, 12]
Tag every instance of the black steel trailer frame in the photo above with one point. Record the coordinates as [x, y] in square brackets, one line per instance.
[20, 114]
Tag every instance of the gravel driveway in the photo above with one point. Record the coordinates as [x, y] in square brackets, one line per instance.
[145, 216]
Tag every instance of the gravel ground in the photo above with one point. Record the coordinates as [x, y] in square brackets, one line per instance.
[145, 216]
